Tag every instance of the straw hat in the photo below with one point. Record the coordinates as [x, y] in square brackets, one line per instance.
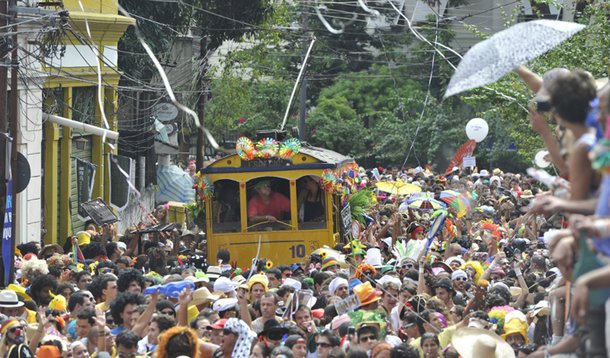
[479, 343]
[202, 295]
[527, 194]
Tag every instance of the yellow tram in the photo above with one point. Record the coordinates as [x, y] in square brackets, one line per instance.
[233, 224]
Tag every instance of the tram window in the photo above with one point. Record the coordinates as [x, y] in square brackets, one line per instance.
[311, 203]
[268, 204]
[225, 208]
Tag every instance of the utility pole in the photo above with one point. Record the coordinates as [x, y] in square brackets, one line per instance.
[14, 118]
[201, 103]
[303, 92]
[3, 112]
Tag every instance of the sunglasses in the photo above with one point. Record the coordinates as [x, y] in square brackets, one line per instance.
[14, 329]
[323, 344]
[365, 339]
[228, 331]
[407, 266]
[461, 279]
[289, 274]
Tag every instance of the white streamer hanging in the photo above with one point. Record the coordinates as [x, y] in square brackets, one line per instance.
[96, 50]
[296, 84]
[166, 83]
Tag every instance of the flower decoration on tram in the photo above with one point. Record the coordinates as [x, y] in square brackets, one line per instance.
[328, 180]
[289, 148]
[204, 186]
[267, 148]
[245, 148]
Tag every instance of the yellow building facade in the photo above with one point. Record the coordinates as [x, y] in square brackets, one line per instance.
[73, 77]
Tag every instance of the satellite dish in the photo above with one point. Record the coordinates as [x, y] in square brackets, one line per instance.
[541, 160]
[22, 177]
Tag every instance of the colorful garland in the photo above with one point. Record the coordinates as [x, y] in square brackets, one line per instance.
[267, 148]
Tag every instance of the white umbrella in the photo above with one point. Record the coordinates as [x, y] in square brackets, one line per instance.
[489, 60]
[174, 184]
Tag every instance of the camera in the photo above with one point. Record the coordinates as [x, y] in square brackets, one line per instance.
[542, 106]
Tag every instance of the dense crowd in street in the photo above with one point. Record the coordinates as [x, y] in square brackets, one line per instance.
[478, 263]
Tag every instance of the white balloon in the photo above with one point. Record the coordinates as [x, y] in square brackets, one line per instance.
[477, 129]
[541, 159]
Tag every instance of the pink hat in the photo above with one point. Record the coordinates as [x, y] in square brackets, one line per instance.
[339, 320]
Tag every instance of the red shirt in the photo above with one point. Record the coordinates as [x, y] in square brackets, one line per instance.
[277, 205]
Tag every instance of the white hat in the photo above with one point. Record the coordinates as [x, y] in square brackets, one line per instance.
[457, 274]
[8, 299]
[455, 258]
[292, 283]
[479, 343]
[213, 272]
[556, 271]
[224, 285]
[387, 241]
[541, 308]
[335, 283]
[224, 304]
[502, 285]
[373, 257]
[389, 278]
[121, 245]
[484, 173]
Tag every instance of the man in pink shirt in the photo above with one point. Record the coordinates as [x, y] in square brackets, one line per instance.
[267, 205]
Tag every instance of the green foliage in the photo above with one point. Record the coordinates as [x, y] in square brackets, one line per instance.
[218, 20]
[359, 203]
[261, 105]
[367, 91]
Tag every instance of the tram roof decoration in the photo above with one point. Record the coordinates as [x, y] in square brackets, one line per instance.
[272, 154]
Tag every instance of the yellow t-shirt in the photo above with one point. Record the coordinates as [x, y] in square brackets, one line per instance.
[444, 338]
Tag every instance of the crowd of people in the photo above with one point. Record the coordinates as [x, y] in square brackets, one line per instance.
[515, 268]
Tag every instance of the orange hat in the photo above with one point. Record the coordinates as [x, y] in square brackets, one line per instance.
[48, 351]
[367, 294]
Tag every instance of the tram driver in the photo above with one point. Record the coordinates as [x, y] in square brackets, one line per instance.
[267, 205]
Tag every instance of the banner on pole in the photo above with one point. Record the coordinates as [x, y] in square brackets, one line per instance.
[7, 233]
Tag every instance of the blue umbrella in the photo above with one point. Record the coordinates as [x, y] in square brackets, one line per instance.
[174, 184]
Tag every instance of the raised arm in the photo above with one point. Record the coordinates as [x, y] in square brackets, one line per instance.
[140, 327]
[532, 80]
